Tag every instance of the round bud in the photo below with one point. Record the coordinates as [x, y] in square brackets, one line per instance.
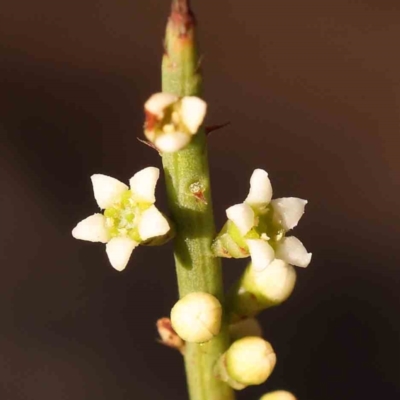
[276, 283]
[197, 317]
[250, 361]
[278, 395]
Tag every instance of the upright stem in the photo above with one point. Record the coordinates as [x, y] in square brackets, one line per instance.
[189, 196]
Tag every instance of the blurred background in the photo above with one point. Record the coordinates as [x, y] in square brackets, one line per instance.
[312, 91]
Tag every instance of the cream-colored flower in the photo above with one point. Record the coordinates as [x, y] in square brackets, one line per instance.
[130, 216]
[258, 227]
[172, 121]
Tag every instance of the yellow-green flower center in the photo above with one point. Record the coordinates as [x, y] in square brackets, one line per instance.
[122, 218]
[266, 226]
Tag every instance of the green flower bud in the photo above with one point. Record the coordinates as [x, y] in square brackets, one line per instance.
[258, 290]
[248, 361]
[278, 395]
[197, 317]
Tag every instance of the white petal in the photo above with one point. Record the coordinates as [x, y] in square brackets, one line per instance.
[171, 142]
[293, 252]
[152, 223]
[289, 210]
[158, 102]
[143, 184]
[107, 190]
[260, 193]
[262, 254]
[242, 216]
[193, 112]
[119, 250]
[92, 228]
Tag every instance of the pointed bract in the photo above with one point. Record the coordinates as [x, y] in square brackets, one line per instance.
[143, 184]
[242, 216]
[152, 224]
[92, 229]
[119, 250]
[107, 190]
[260, 193]
[262, 254]
[293, 252]
[193, 112]
[289, 210]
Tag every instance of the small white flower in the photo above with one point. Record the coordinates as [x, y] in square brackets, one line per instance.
[171, 121]
[130, 216]
[261, 226]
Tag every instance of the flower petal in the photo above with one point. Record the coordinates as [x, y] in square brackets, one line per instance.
[262, 254]
[171, 142]
[92, 228]
[242, 216]
[152, 224]
[260, 193]
[293, 252]
[107, 190]
[143, 184]
[158, 102]
[193, 111]
[289, 210]
[119, 250]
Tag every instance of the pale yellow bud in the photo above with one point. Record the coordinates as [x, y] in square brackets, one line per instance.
[278, 395]
[197, 317]
[249, 361]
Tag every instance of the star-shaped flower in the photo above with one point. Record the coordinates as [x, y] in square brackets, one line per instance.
[172, 121]
[130, 216]
[258, 226]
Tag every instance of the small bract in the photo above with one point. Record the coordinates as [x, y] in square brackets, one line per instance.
[197, 317]
[129, 218]
[171, 121]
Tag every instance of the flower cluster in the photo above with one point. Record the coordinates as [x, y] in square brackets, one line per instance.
[258, 226]
[130, 217]
[172, 121]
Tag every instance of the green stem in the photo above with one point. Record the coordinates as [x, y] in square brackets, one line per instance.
[189, 196]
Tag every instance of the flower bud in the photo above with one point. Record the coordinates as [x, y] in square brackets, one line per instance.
[172, 121]
[248, 361]
[278, 395]
[197, 317]
[245, 327]
[258, 290]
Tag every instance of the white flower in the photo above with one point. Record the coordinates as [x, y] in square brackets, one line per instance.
[130, 216]
[171, 121]
[260, 226]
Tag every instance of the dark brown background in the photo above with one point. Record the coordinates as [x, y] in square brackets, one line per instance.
[312, 91]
